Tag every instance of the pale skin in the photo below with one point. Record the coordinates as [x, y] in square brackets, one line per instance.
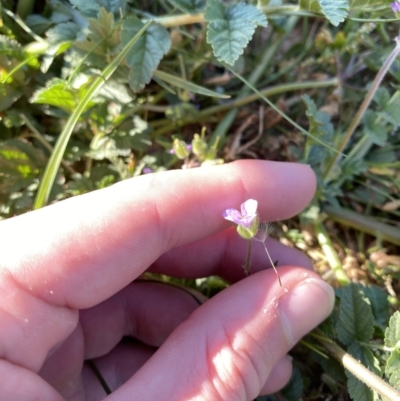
[69, 290]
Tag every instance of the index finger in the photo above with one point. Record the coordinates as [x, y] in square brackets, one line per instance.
[80, 251]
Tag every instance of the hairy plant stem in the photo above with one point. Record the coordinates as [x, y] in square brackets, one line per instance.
[330, 253]
[185, 19]
[167, 126]
[364, 106]
[363, 223]
[360, 371]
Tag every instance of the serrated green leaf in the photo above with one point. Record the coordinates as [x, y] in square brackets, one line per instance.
[392, 368]
[64, 32]
[8, 95]
[379, 304]
[20, 162]
[146, 54]
[186, 85]
[38, 23]
[57, 93]
[189, 6]
[392, 334]
[294, 389]
[374, 128]
[391, 113]
[335, 10]
[91, 8]
[231, 28]
[356, 322]
[320, 124]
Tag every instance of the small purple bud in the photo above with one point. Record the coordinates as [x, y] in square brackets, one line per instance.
[147, 170]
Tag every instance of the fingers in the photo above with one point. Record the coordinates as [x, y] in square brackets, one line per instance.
[81, 251]
[147, 311]
[230, 345]
[224, 254]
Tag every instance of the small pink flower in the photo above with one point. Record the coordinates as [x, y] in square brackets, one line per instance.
[395, 6]
[246, 216]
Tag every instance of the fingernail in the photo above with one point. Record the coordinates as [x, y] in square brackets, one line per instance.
[304, 307]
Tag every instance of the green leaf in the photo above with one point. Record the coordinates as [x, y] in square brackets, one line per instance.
[358, 390]
[392, 368]
[391, 114]
[64, 32]
[379, 304]
[392, 334]
[231, 28]
[356, 322]
[320, 124]
[91, 8]
[336, 11]
[186, 85]
[146, 54]
[20, 160]
[189, 6]
[57, 93]
[374, 128]
[294, 389]
[8, 95]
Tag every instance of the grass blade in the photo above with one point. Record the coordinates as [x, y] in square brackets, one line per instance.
[54, 162]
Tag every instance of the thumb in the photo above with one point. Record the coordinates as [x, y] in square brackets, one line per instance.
[230, 346]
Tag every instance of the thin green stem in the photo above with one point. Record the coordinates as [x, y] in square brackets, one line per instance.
[22, 24]
[330, 253]
[364, 106]
[279, 111]
[247, 264]
[166, 126]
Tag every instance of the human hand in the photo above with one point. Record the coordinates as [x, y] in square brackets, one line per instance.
[68, 295]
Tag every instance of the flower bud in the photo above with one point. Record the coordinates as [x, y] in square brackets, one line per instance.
[199, 146]
[180, 149]
[248, 233]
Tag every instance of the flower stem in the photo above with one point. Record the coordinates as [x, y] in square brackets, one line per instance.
[364, 106]
[247, 265]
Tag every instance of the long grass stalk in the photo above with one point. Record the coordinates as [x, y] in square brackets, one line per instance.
[364, 106]
[54, 162]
